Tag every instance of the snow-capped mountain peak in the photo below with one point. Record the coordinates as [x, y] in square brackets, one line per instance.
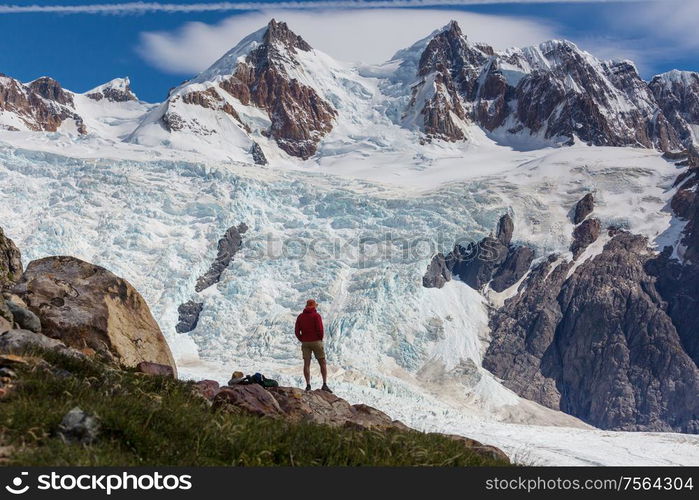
[116, 90]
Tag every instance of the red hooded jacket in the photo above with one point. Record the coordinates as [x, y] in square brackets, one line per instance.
[309, 326]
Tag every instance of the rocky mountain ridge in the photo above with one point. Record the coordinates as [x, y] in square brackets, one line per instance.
[268, 95]
[606, 333]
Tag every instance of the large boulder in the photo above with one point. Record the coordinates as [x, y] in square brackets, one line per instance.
[10, 261]
[87, 306]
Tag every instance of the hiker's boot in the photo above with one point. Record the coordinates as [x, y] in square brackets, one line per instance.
[326, 388]
[308, 387]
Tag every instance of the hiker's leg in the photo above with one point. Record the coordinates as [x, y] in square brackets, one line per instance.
[307, 371]
[323, 370]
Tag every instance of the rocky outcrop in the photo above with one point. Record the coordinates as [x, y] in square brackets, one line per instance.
[583, 208]
[448, 69]
[228, 246]
[493, 260]
[10, 261]
[258, 156]
[86, 306]
[596, 342]
[438, 273]
[188, 314]
[250, 399]
[317, 407]
[677, 93]
[585, 234]
[42, 105]
[554, 90]
[117, 90]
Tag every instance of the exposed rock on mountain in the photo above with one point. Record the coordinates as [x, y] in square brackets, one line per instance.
[448, 69]
[596, 342]
[261, 85]
[86, 306]
[117, 90]
[188, 316]
[583, 208]
[42, 105]
[584, 235]
[10, 261]
[493, 260]
[677, 93]
[228, 246]
[554, 91]
[258, 156]
[438, 273]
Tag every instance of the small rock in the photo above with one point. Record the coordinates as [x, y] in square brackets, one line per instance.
[78, 426]
[207, 388]
[155, 369]
[5, 312]
[478, 448]
[258, 156]
[19, 340]
[23, 317]
[248, 399]
[5, 326]
[7, 373]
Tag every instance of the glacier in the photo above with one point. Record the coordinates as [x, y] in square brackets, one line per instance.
[357, 236]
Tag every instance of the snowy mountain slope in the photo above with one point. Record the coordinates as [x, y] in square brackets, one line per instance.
[411, 351]
[108, 112]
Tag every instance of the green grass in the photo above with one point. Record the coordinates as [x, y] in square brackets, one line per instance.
[158, 421]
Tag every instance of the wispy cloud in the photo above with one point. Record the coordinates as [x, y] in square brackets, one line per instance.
[195, 46]
[149, 7]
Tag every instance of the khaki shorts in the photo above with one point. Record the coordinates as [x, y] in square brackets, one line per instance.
[313, 347]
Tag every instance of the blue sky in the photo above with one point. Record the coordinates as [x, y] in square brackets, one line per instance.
[161, 44]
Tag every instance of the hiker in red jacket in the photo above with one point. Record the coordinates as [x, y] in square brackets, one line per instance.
[309, 331]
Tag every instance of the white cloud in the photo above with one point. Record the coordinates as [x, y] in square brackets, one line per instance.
[367, 35]
[147, 7]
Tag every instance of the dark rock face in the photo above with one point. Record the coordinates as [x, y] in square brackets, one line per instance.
[437, 273]
[506, 227]
[300, 117]
[10, 261]
[492, 260]
[597, 344]
[50, 89]
[584, 235]
[583, 208]
[228, 246]
[258, 156]
[188, 316]
[677, 93]
[516, 265]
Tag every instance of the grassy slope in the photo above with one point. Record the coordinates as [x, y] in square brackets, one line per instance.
[158, 421]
